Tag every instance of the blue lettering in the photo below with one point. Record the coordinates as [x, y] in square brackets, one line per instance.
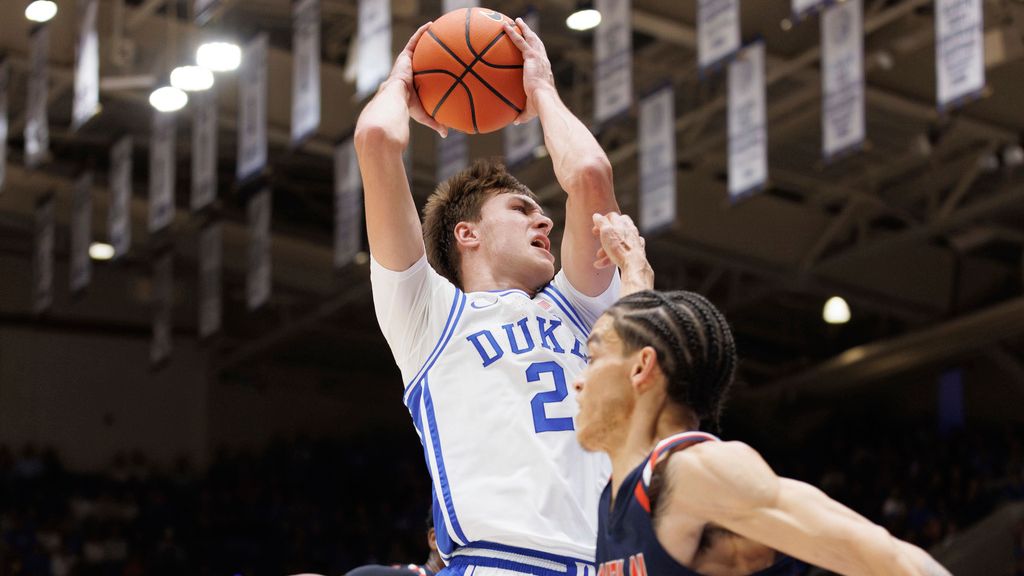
[512, 337]
[484, 355]
[577, 350]
[548, 335]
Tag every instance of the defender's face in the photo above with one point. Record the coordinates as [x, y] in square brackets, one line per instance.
[603, 390]
[514, 234]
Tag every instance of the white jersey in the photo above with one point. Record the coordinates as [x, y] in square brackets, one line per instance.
[488, 378]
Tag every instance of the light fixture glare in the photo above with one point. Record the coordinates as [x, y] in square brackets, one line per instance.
[219, 56]
[101, 251]
[168, 99]
[583, 19]
[191, 78]
[41, 10]
[836, 311]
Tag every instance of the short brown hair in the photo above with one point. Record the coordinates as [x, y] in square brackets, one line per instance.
[460, 199]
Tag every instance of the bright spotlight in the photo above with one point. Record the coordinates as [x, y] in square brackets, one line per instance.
[41, 10]
[191, 78]
[583, 19]
[168, 99]
[836, 311]
[219, 56]
[101, 251]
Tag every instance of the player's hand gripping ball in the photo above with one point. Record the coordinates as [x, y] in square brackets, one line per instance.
[467, 72]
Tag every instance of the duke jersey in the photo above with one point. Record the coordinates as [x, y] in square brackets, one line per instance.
[626, 542]
[487, 383]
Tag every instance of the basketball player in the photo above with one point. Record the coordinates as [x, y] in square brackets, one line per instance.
[432, 566]
[681, 502]
[486, 335]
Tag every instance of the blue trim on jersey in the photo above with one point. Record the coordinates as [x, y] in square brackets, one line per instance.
[565, 311]
[567, 560]
[468, 562]
[442, 476]
[579, 317]
[509, 291]
[449, 324]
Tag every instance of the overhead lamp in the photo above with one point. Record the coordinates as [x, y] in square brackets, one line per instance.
[219, 56]
[584, 17]
[168, 99]
[836, 311]
[191, 78]
[101, 251]
[41, 10]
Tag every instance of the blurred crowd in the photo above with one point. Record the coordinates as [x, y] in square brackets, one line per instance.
[326, 506]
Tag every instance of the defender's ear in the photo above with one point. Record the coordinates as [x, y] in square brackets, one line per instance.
[467, 234]
[644, 371]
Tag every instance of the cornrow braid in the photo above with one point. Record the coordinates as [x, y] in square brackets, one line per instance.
[693, 342]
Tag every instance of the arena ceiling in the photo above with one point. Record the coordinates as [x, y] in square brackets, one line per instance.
[922, 231]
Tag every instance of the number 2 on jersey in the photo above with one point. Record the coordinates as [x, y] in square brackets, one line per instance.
[541, 422]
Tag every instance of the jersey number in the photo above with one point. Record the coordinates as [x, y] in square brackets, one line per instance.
[541, 422]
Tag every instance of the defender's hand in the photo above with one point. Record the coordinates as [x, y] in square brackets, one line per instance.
[536, 66]
[621, 242]
[402, 72]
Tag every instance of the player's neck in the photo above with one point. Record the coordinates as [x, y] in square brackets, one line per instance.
[477, 278]
[646, 428]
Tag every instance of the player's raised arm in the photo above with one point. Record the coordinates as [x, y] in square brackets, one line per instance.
[581, 166]
[382, 134]
[729, 484]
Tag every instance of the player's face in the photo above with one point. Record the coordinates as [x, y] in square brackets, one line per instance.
[603, 390]
[514, 234]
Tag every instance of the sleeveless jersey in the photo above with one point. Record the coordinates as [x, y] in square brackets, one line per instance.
[487, 383]
[626, 542]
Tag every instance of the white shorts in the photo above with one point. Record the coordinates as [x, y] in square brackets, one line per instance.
[496, 560]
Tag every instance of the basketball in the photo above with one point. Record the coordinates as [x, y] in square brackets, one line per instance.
[467, 72]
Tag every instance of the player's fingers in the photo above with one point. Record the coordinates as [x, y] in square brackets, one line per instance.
[524, 117]
[416, 36]
[516, 37]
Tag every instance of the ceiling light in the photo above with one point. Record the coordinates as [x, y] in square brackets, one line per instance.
[191, 78]
[786, 24]
[584, 17]
[168, 99]
[219, 56]
[836, 311]
[101, 251]
[41, 10]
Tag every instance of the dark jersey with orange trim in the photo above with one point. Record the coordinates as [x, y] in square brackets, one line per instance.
[626, 542]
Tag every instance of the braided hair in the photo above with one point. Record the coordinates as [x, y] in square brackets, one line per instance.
[693, 342]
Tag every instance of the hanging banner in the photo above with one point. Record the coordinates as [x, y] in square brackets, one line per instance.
[204, 150]
[210, 258]
[5, 80]
[42, 260]
[37, 129]
[748, 152]
[522, 140]
[959, 51]
[842, 63]
[163, 302]
[306, 72]
[613, 59]
[252, 109]
[119, 224]
[449, 5]
[258, 279]
[452, 155]
[657, 160]
[80, 273]
[803, 8]
[203, 9]
[87, 65]
[161, 172]
[718, 31]
[348, 207]
[373, 55]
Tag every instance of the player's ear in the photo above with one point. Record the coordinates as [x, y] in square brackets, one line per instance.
[644, 369]
[467, 234]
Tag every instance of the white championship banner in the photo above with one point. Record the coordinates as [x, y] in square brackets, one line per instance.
[37, 127]
[42, 255]
[5, 79]
[306, 69]
[252, 109]
[449, 5]
[203, 9]
[613, 59]
[348, 208]
[210, 260]
[204, 150]
[842, 63]
[959, 51]
[523, 139]
[80, 266]
[452, 155]
[86, 101]
[258, 278]
[748, 152]
[163, 302]
[161, 171]
[718, 31]
[657, 160]
[373, 50]
[802, 8]
[119, 224]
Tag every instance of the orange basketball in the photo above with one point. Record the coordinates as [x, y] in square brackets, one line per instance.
[468, 73]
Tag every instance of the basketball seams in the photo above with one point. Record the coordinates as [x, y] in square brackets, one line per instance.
[457, 82]
[480, 57]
